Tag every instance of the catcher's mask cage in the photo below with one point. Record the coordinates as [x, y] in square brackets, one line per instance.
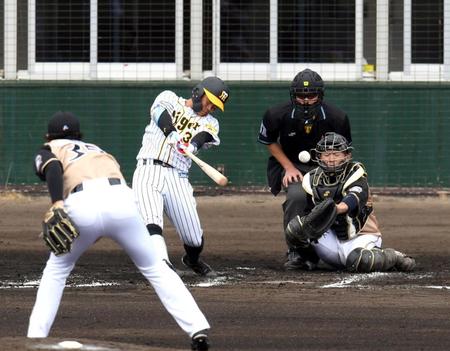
[214, 88]
[307, 83]
[332, 142]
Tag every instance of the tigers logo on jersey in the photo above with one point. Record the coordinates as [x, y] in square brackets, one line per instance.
[308, 128]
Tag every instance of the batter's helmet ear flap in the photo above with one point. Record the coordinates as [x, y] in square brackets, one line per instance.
[197, 94]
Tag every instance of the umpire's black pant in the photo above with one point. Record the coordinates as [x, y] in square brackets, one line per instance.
[296, 202]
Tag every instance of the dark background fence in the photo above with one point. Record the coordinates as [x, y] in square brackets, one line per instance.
[400, 130]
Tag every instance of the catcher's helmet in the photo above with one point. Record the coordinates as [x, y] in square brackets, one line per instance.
[310, 83]
[332, 142]
[63, 125]
[214, 88]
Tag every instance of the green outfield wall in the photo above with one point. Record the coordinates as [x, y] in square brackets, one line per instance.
[400, 130]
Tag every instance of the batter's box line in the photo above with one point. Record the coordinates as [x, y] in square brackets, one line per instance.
[349, 282]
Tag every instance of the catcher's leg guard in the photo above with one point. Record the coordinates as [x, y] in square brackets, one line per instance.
[371, 260]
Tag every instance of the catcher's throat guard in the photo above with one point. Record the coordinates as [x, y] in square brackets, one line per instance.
[301, 230]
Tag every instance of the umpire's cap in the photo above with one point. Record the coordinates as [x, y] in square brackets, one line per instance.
[63, 125]
[215, 89]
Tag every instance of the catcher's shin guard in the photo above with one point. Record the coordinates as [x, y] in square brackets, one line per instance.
[371, 260]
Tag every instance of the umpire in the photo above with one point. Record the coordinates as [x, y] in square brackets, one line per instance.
[289, 128]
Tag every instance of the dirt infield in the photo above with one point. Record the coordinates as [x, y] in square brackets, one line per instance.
[253, 304]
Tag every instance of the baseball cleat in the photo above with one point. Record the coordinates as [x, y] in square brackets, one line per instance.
[200, 267]
[404, 263]
[295, 262]
[200, 341]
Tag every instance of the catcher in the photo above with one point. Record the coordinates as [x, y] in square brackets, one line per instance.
[340, 224]
[92, 200]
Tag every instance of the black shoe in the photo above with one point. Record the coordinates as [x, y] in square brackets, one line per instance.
[200, 341]
[200, 267]
[296, 262]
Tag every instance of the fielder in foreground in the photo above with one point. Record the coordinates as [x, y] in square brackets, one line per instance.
[90, 199]
[161, 179]
[339, 223]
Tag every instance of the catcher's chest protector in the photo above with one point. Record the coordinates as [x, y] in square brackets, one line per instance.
[345, 226]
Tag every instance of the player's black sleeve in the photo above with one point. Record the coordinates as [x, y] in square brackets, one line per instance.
[165, 123]
[357, 196]
[54, 178]
[269, 130]
[49, 169]
[200, 139]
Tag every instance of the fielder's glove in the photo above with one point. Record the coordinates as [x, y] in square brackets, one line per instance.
[300, 231]
[58, 230]
[320, 219]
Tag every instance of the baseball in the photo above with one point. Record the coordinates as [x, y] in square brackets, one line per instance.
[70, 345]
[304, 156]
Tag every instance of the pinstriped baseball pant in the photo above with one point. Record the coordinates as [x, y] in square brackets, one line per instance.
[160, 190]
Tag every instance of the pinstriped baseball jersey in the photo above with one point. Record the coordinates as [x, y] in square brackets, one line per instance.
[76, 158]
[165, 188]
[187, 123]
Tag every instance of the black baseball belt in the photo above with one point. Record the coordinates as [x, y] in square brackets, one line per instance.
[112, 181]
[149, 161]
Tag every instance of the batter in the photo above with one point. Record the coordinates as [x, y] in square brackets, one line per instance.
[161, 181]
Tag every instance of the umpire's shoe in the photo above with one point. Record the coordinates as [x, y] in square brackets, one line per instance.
[200, 341]
[200, 267]
[296, 262]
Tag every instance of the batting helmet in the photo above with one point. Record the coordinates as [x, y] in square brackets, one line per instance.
[63, 125]
[307, 82]
[214, 88]
[332, 142]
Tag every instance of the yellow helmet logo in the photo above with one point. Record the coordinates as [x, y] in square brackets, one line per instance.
[305, 83]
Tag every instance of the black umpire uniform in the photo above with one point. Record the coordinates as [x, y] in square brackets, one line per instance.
[295, 128]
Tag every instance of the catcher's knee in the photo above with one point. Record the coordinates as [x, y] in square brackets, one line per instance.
[370, 260]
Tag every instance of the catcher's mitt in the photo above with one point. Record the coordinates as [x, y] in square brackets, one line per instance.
[320, 219]
[58, 230]
[301, 230]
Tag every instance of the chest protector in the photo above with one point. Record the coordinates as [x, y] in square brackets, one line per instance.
[321, 186]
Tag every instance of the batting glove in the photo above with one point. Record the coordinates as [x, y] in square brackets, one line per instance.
[181, 146]
[173, 138]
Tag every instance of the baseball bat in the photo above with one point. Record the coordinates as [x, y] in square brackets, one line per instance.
[210, 171]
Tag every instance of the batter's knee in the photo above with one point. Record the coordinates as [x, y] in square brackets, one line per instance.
[369, 260]
[154, 229]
